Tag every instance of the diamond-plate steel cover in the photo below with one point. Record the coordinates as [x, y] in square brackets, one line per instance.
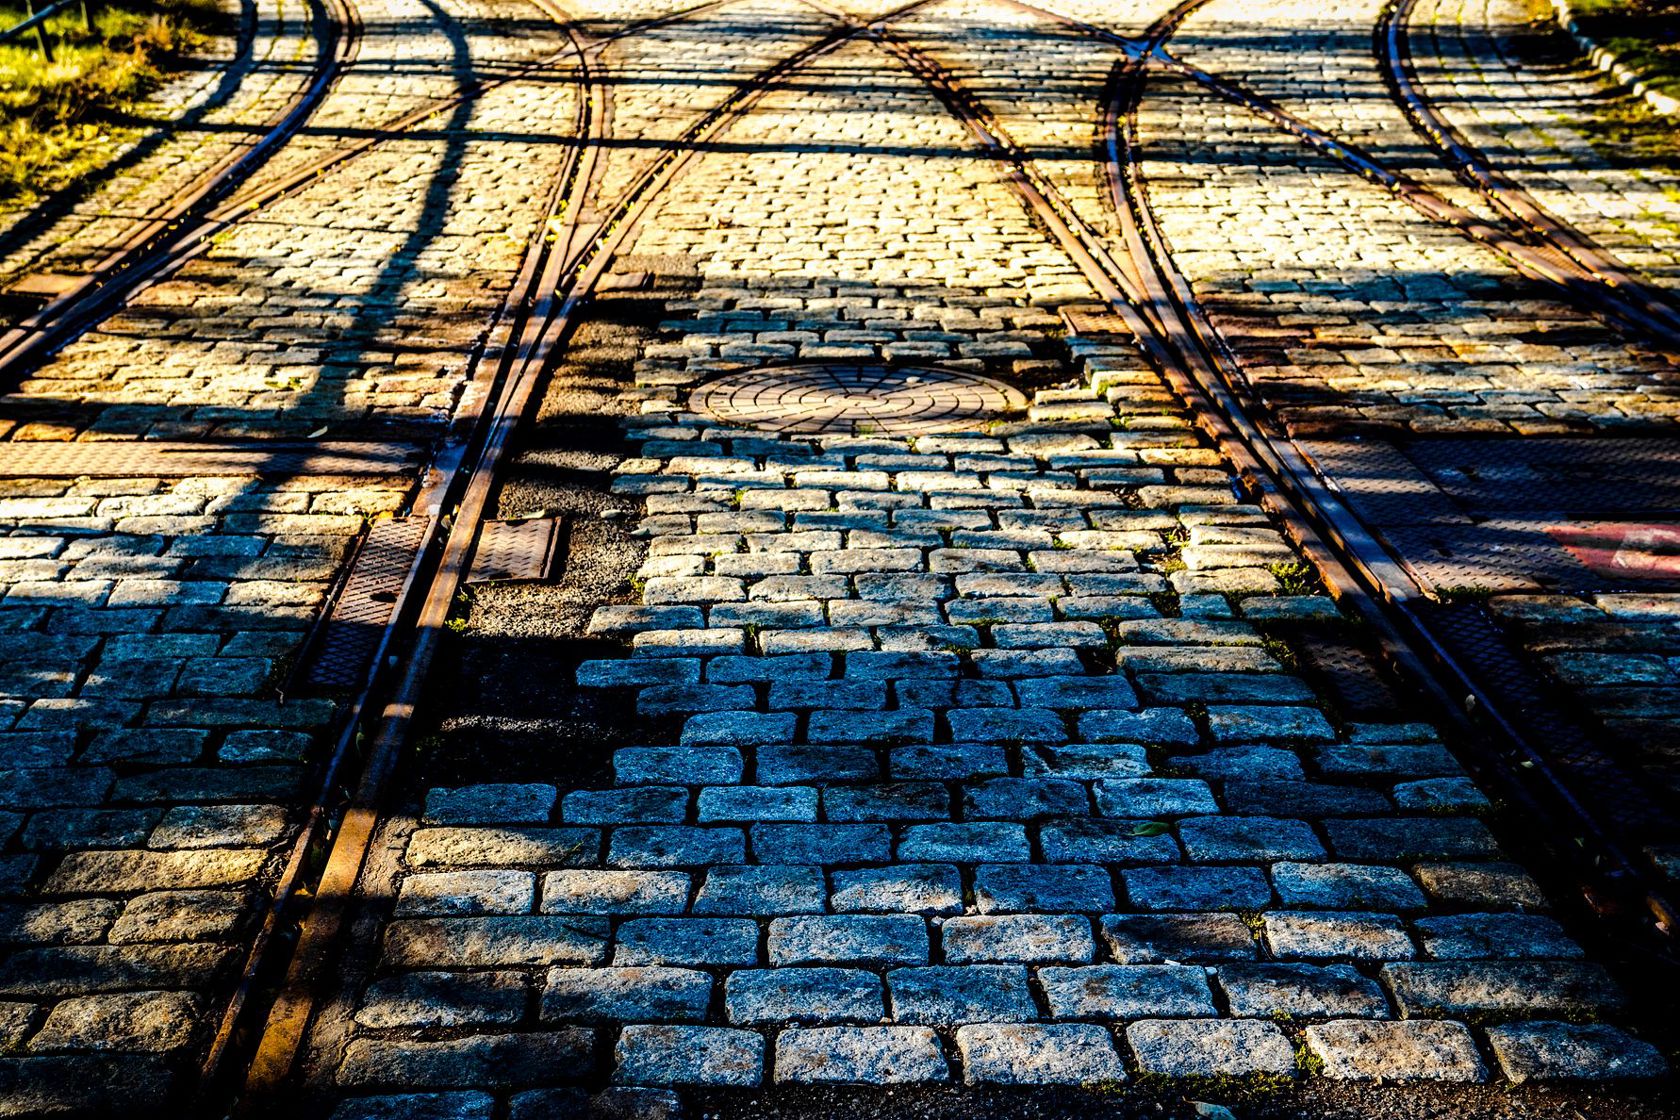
[158, 459]
[1352, 676]
[1094, 320]
[1517, 514]
[364, 608]
[516, 550]
[1383, 486]
[1593, 477]
[1617, 790]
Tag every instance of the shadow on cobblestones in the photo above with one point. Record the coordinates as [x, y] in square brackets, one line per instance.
[1252, 1101]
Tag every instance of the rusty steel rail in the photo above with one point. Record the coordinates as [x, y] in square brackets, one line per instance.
[1623, 305]
[1391, 44]
[241, 1015]
[338, 30]
[558, 282]
[1356, 568]
[562, 276]
[341, 786]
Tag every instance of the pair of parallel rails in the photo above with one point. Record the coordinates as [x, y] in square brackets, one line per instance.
[1148, 300]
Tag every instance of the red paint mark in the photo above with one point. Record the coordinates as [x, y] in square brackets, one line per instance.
[1620, 548]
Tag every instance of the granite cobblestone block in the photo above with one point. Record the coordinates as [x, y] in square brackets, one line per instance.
[1038, 1054]
[1210, 1048]
[860, 1055]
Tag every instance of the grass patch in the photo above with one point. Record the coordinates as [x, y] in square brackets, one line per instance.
[60, 120]
[1645, 34]
[1295, 577]
[1282, 653]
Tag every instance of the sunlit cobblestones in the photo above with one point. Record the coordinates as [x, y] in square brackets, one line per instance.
[985, 764]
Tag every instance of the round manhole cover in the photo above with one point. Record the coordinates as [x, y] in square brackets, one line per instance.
[855, 400]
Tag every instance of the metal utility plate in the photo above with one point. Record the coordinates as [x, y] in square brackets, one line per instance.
[1094, 320]
[159, 459]
[1518, 514]
[45, 285]
[845, 399]
[1585, 477]
[364, 608]
[524, 549]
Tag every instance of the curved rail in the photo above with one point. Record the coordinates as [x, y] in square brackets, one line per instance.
[1393, 582]
[41, 219]
[1525, 769]
[1391, 43]
[562, 279]
[1544, 263]
[1359, 571]
[339, 31]
[1191, 356]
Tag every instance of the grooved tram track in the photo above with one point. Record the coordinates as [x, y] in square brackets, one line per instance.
[151, 242]
[1189, 351]
[904, 666]
[557, 277]
[1540, 738]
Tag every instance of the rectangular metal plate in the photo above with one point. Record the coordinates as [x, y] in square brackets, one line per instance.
[1494, 556]
[45, 285]
[1093, 320]
[1352, 676]
[364, 608]
[1517, 514]
[1613, 783]
[622, 282]
[159, 459]
[1591, 477]
[1383, 486]
[515, 550]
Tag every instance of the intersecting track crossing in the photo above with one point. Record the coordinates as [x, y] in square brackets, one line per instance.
[1562, 774]
[1147, 300]
[1536, 244]
[558, 276]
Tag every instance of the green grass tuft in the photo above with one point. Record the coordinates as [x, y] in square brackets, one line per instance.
[60, 120]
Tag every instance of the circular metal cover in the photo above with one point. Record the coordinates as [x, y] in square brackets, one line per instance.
[855, 400]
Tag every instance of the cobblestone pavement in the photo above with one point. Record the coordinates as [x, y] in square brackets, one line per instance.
[970, 734]
[156, 768]
[973, 753]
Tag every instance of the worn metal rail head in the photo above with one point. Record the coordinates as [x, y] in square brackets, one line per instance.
[557, 278]
[1584, 795]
